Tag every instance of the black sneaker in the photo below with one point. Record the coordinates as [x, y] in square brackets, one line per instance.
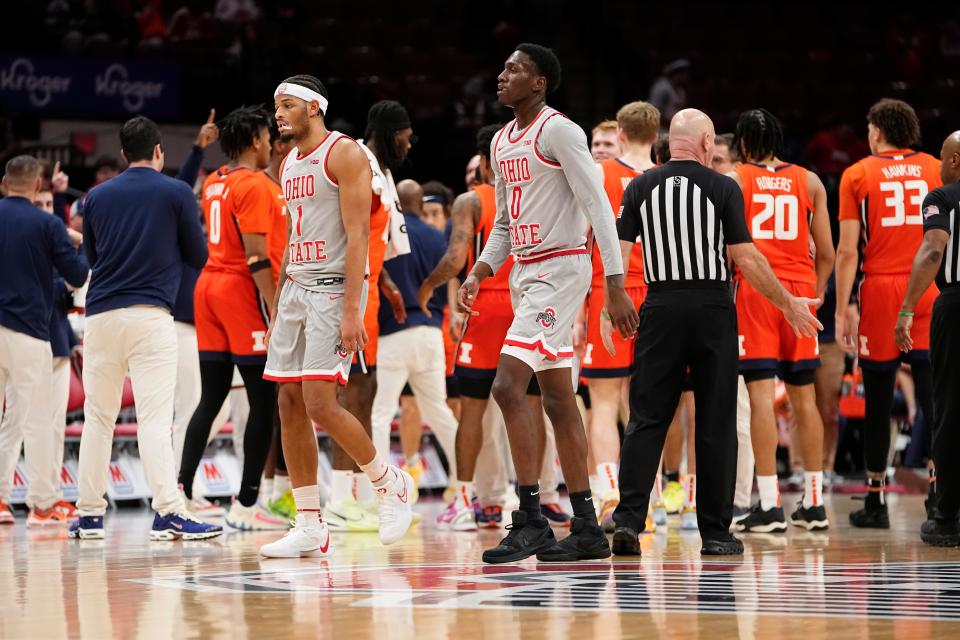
[739, 513]
[873, 515]
[930, 502]
[526, 538]
[938, 533]
[585, 542]
[727, 546]
[810, 518]
[760, 521]
[626, 542]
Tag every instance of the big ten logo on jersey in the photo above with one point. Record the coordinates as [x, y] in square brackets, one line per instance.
[259, 340]
[465, 349]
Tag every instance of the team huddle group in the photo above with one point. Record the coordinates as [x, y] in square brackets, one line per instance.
[316, 268]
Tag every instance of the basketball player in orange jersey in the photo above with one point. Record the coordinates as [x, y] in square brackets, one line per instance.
[317, 322]
[547, 188]
[230, 309]
[387, 141]
[880, 200]
[638, 125]
[785, 207]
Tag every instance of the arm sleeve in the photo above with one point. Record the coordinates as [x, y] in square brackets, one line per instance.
[628, 224]
[850, 181]
[190, 168]
[732, 216]
[497, 249]
[566, 142]
[193, 246]
[936, 212]
[69, 263]
[254, 206]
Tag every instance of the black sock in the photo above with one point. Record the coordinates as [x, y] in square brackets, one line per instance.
[875, 493]
[215, 379]
[530, 501]
[262, 398]
[582, 502]
[672, 476]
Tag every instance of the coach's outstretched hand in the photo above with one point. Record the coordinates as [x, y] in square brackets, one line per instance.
[800, 317]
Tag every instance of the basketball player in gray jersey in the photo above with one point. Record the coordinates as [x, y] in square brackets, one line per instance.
[317, 316]
[547, 189]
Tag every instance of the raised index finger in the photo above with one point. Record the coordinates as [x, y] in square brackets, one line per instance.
[213, 114]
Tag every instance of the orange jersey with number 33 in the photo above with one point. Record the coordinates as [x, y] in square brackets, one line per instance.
[885, 192]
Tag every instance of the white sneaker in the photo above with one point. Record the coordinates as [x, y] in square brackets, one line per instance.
[254, 519]
[306, 538]
[688, 518]
[395, 498]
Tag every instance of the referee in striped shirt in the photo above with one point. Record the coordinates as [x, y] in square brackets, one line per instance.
[939, 257]
[689, 220]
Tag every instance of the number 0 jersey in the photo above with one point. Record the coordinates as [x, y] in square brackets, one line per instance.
[885, 191]
[778, 211]
[235, 201]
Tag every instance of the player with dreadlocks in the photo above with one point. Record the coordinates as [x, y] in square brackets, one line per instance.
[230, 306]
[786, 205]
[387, 140]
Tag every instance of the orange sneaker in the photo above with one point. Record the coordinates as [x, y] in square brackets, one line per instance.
[51, 517]
[6, 514]
[68, 510]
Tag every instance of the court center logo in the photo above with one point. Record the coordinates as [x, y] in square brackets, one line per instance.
[547, 318]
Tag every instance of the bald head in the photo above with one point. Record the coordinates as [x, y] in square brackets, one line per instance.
[691, 136]
[411, 196]
[950, 159]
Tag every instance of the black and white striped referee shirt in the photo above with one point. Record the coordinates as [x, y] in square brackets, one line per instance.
[684, 215]
[941, 210]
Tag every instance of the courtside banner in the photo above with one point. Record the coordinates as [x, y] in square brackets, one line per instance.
[55, 85]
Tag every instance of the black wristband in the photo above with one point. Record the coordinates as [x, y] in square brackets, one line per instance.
[258, 266]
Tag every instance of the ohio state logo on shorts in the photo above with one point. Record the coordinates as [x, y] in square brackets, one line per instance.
[343, 353]
[547, 318]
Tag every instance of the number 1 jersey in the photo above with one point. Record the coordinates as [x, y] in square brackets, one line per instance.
[885, 192]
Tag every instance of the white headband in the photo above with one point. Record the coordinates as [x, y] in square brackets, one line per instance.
[304, 93]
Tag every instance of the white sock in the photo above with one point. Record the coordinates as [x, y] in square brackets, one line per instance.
[342, 489]
[769, 492]
[812, 489]
[308, 503]
[281, 484]
[363, 490]
[266, 491]
[465, 494]
[690, 491]
[378, 471]
[413, 460]
[608, 478]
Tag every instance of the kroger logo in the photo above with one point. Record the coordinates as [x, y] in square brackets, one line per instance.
[21, 77]
[115, 82]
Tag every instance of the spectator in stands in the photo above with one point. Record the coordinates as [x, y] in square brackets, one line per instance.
[32, 245]
[136, 246]
[669, 91]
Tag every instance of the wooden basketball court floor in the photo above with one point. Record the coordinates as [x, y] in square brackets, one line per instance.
[844, 584]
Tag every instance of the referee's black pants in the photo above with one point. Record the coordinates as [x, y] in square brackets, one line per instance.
[680, 328]
[945, 361]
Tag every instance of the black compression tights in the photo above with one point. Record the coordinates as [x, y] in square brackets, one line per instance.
[878, 387]
[215, 381]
